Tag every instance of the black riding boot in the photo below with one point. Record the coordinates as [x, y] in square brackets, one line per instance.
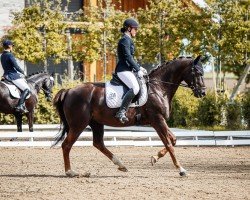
[121, 114]
[21, 106]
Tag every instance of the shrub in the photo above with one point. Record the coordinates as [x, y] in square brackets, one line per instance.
[233, 115]
[184, 107]
[246, 108]
[209, 111]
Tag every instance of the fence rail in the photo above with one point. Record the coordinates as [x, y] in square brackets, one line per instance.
[128, 136]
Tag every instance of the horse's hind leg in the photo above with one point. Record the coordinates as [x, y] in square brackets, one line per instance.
[73, 134]
[98, 132]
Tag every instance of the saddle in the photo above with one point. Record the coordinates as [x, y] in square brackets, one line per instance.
[15, 92]
[115, 90]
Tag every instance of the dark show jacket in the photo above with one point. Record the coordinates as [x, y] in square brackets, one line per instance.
[10, 66]
[126, 50]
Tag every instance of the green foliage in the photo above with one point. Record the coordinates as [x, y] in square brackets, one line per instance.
[209, 110]
[233, 115]
[100, 25]
[38, 32]
[163, 26]
[221, 30]
[6, 119]
[246, 108]
[229, 35]
[184, 107]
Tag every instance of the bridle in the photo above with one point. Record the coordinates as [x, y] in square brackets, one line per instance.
[193, 85]
[47, 92]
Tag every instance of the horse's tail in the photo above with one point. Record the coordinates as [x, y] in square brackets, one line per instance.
[58, 102]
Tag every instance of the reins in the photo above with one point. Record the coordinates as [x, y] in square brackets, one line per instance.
[169, 83]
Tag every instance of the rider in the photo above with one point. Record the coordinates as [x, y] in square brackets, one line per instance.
[14, 74]
[127, 65]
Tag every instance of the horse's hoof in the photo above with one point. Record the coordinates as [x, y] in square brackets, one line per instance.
[86, 175]
[123, 169]
[153, 160]
[71, 173]
[182, 174]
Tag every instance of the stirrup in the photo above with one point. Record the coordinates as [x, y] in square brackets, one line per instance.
[121, 116]
[21, 109]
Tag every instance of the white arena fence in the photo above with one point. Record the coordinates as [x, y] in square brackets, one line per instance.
[43, 136]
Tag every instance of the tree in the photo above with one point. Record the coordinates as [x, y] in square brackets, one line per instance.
[97, 20]
[163, 26]
[38, 32]
[230, 34]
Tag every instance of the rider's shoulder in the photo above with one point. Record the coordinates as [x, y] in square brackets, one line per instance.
[125, 39]
[7, 53]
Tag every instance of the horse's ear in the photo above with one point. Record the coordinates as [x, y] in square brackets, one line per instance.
[197, 60]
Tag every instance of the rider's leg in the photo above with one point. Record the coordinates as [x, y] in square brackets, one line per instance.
[22, 85]
[130, 80]
[121, 114]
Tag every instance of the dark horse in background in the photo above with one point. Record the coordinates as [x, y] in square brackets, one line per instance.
[85, 105]
[40, 81]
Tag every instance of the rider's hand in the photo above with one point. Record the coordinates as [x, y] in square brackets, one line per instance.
[140, 73]
[143, 70]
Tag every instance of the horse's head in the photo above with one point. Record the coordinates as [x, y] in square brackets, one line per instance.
[47, 86]
[194, 78]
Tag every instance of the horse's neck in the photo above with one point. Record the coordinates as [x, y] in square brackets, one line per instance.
[36, 83]
[169, 79]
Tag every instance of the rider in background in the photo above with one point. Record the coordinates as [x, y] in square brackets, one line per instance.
[127, 65]
[14, 74]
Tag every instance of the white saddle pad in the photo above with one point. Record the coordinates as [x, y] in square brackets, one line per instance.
[14, 91]
[114, 96]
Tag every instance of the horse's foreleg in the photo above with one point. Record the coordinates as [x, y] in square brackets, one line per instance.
[163, 152]
[162, 129]
[98, 132]
[30, 117]
[18, 117]
[160, 154]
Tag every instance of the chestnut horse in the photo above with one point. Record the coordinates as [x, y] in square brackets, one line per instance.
[85, 105]
[40, 81]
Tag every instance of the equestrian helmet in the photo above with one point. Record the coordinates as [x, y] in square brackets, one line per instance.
[130, 23]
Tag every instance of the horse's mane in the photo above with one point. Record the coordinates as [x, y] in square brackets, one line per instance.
[167, 63]
[36, 75]
[41, 72]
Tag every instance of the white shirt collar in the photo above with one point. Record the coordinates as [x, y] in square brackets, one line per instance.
[128, 35]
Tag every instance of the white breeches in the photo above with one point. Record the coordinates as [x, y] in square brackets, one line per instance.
[21, 83]
[130, 80]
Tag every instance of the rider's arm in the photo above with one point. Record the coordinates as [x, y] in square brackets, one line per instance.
[15, 65]
[125, 44]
